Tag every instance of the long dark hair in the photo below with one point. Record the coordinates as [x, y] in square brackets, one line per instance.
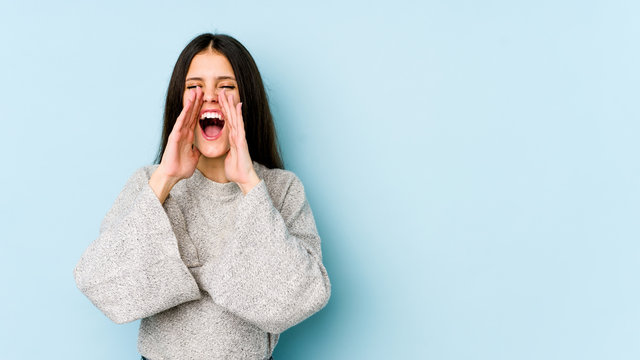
[258, 121]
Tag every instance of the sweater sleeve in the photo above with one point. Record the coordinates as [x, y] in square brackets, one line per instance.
[271, 272]
[134, 268]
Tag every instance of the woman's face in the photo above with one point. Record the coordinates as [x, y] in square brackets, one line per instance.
[212, 72]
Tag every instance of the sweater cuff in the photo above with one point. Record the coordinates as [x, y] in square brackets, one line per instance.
[257, 196]
[155, 222]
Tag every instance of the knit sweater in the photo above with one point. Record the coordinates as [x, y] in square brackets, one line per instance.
[213, 273]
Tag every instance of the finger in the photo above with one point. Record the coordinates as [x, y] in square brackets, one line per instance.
[195, 113]
[225, 108]
[231, 118]
[227, 118]
[234, 116]
[195, 151]
[196, 118]
[186, 110]
[193, 97]
[241, 132]
[238, 124]
[232, 140]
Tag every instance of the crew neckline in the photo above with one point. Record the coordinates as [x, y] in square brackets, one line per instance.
[213, 188]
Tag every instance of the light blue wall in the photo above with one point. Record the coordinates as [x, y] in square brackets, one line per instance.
[472, 166]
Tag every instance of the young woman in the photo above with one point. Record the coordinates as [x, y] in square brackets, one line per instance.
[215, 248]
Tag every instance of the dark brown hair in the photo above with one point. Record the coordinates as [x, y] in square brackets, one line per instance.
[258, 121]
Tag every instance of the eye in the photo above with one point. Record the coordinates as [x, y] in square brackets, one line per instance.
[192, 86]
[228, 87]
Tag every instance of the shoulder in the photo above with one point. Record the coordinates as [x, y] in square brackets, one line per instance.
[275, 177]
[142, 173]
[147, 170]
[139, 178]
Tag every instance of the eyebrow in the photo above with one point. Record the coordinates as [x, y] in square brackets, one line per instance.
[217, 77]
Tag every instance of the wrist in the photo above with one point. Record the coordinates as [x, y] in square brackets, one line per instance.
[161, 184]
[249, 184]
[165, 177]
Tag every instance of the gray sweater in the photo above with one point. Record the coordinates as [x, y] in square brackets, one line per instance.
[212, 273]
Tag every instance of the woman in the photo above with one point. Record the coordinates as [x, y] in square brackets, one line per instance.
[215, 248]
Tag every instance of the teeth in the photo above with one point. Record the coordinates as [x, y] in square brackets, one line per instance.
[211, 115]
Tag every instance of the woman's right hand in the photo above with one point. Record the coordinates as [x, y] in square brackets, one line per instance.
[180, 156]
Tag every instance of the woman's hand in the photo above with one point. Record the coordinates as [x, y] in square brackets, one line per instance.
[180, 157]
[238, 166]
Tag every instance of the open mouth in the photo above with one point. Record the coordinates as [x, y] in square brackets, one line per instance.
[211, 125]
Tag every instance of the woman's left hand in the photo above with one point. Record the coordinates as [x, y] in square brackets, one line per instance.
[238, 166]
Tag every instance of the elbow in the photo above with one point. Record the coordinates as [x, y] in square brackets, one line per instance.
[120, 319]
[111, 308]
[326, 294]
[322, 296]
[91, 288]
[276, 327]
[79, 278]
[299, 310]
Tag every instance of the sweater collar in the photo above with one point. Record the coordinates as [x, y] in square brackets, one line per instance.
[204, 185]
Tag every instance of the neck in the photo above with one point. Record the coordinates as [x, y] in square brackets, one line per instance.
[213, 168]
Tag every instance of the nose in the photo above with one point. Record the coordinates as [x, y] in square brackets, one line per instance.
[210, 95]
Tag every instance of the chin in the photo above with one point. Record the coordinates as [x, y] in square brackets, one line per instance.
[214, 156]
[213, 151]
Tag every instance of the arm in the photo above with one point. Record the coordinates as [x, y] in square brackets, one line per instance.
[134, 269]
[271, 272]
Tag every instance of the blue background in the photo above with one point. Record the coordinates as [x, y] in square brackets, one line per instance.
[472, 167]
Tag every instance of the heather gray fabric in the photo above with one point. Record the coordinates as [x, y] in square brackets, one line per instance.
[212, 273]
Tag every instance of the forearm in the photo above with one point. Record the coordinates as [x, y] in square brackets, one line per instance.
[250, 184]
[161, 184]
[134, 268]
[269, 274]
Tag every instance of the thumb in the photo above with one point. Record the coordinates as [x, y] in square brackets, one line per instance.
[232, 141]
[196, 152]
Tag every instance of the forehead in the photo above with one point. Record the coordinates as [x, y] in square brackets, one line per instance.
[209, 64]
